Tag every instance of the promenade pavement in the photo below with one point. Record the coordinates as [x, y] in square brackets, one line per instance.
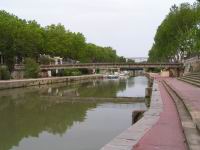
[167, 133]
[190, 95]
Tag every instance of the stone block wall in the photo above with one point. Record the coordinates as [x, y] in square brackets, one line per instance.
[41, 81]
[192, 65]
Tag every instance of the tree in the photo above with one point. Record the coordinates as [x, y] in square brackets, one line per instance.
[20, 39]
[56, 40]
[31, 68]
[176, 36]
[4, 73]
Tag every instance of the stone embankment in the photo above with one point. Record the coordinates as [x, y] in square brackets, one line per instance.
[41, 81]
[131, 136]
[172, 121]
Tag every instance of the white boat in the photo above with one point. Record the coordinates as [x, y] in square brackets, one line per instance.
[124, 74]
[112, 76]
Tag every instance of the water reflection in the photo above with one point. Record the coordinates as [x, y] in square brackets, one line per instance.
[107, 88]
[31, 116]
[135, 87]
[25, 114]
[102, 88]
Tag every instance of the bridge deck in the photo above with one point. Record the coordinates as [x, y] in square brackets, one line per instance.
[106, 66]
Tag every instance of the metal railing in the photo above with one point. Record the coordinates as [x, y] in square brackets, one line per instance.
[106, 66]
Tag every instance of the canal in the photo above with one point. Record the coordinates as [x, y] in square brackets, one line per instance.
[34, 118]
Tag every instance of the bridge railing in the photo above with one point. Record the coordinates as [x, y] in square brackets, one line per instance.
[106, 65]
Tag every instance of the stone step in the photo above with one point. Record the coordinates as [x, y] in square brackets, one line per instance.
[192, 75]
[195, 73]
[193, 79]
[190, 129]
[194, 113]
[190, 82]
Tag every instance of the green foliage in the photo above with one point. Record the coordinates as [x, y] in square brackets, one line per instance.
[31, 68]
[94, 53]
[45, 60]
[121, 59]
[154, 70]
[67, 72]
[130, 61]
[178, 35]
[4, 73]
[25, 39]
[71, 72]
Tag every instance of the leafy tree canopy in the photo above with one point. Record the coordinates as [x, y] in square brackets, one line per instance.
[178, 36]
[20, 39]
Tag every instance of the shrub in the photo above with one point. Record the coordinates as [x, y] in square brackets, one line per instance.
[60, 73]
[45, 60]
[71, 72]
[98, 71]
[53, 73]
[76, 73]
[31, 68]
[154, 70]
[4, 73]
[66, 72]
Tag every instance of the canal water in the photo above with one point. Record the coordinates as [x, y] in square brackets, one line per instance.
[34, 119]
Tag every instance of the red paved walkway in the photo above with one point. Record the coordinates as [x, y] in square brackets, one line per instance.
[167, 134]
[190, 93]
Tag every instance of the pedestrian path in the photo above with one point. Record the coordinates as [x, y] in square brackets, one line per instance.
[190, 95]
[189, 126]
[167, 133]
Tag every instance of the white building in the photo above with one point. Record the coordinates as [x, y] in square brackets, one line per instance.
[58, 60]
[138, 59]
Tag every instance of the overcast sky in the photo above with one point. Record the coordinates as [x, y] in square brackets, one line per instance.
[128, 26]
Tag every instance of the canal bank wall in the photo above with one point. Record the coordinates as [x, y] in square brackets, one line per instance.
[130, 137]
[9, 84]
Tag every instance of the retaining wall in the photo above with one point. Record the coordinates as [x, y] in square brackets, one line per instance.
[41, 81]
[192, 65]
[131, 136]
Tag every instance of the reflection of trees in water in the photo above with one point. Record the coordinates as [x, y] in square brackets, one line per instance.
[95, 88]
[23, 113]
[105, 88]
[139, 80]
[142, 80]
[131, 82]
[30, 116]
[70, 90]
